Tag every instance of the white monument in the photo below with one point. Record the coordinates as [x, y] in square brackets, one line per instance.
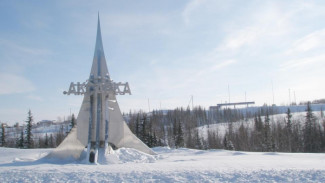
[100, 123]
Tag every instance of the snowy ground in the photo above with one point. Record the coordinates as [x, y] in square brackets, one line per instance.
[170, 165]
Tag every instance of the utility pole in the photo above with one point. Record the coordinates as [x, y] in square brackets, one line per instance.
[289, 97]
[149, 105]
[246, 106]
[272, 92]
[228, 94]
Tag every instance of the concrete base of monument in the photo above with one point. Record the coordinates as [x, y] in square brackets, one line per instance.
[104, 155]
[108, 156]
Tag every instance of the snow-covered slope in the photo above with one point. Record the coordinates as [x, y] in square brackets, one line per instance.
[222, 128]
[170, 165]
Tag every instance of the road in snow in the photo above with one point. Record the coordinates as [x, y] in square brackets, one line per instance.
[170, 165]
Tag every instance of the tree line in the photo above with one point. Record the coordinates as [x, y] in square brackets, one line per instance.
[187, 128]
[180, 128]
[26, 139]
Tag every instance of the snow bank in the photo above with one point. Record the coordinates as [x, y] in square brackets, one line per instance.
[170, 165]
[127, 155]
[123, 155]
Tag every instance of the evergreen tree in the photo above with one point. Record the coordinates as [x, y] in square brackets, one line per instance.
[256, 125]
[267, 143]
[297, 144]
[137, 122]
[289, 129]
[73, 122]
[59, 136]
[323, 139]
[154, 140]
[149, 133]
[242, 138]
[160, 143]
[189, 141]
[257, 134]
[198, 142]
[213, 140]
[144, 136]
[51, 142]
[3, 135]
[311, 132]
[20, 143]
[308, 129]
[260, 122]
[175, 133]
[29, 135]
[149, 140]
[180, 136]
[46, 142]
[227, 143]
[40, 142]
[280, 136]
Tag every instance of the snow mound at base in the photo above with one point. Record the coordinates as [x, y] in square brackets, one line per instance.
[126, 155]
[107, 156]
[120, 156]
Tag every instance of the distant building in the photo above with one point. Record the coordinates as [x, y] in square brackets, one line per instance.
[45, 123]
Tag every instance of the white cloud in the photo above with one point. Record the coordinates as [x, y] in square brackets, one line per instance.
[35, 97]
[222, 64]
[240, 38]
[126, 21]
[24, 49]
[189, 8]
[11, 83]
[215, 67]
[302, 62]
[198, 76]
[269, 23]
[308, 42]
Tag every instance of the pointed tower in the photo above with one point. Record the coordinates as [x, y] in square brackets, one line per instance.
[100, 122]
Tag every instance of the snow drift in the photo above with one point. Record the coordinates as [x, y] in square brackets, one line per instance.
[170, 165]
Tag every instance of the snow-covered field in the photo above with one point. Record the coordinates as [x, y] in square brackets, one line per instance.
[169, 165]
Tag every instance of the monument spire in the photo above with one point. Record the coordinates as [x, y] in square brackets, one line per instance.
[99, 43]
[100, 123]
[99, 67]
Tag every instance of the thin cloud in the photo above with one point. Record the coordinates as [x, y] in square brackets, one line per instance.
[215, 67]
[199, 76]
[11, 83]
[269, 23]
[302, 63]
[10, 45]
[189, 8]
[309, 42]
[238, 39]
[135, 20]
[35, 98]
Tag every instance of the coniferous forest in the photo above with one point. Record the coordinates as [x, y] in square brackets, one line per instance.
[179, 128]
[183, 128]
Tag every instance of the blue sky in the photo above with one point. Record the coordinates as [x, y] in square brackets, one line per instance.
[166, 50]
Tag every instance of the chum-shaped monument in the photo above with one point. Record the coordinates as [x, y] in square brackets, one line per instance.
[99, 122]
